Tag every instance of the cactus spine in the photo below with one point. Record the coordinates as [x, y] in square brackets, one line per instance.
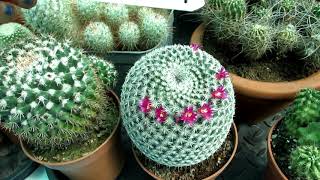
[11, 33]
[98, 36]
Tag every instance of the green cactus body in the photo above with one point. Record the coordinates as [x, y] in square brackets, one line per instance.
[154, 29]
[144, 12]
[129, 35]
[216, 4]
[234, 9]
[256, 40]
[316, 10]
[305, 161]
[310, 134]
[261, 12]
[287, 38]
[98, 36]
[286, 6]
[10, 33]
[115, 14]
[304, 111]
[177, 105]
[51, 94]
[52, 17]
[88, 10]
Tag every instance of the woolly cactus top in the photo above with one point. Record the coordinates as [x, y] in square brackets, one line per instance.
[177, 105]
[52, 94]
[13, 32]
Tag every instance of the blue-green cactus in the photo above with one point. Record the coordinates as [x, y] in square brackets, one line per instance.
[10, 33]
[177, 105]
[115, 14]
[98, 36]
[88, 10]
[129, 35]
[52, 94]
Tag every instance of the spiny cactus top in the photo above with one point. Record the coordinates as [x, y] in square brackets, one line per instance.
[50, 93]
[177, 105]
[11, 33]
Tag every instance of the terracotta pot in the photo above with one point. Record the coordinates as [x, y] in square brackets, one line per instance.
[104, 163]
[257, 100]
[273, 171]
[13, 138]
[213, 176]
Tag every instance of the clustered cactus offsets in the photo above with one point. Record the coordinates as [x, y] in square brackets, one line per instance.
[52, 95]
[303, 124]
[177, 105]
[101, 27]
[263, 27]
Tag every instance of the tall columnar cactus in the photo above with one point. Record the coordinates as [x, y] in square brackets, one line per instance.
[154, 27]
[115, 14]
[98, 36]
[305, 161]
[177, 105]
[287, 38]
[256, 40]
[305, 110]
[129, 35]
[87, 10]
[51, 94]
[10, 33]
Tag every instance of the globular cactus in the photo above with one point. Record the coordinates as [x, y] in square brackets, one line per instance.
[129, 35]
[10, 33]
[310, 134]
[53, 17]
[305, 162]
[177, 105]
[256, 39]
[98, 36]
[305, 110]
[88, 10]
[115, 14]
[234, 9]
[53, 95]
[154, 29]
[285, 6]
[287, 38]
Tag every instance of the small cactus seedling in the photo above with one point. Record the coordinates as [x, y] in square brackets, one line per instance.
[115, 14]
[11, 33]
[98, 36]
[177, 105]
[287, 38]
[305, 161]
[129, 35]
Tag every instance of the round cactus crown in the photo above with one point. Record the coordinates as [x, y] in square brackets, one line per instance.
[52, 94]
[98, 36]
[177, 105]
[11, 33]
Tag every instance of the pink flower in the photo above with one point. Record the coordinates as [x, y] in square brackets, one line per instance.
[145, 105]
[188, 116]
[161, 114]
[219, 93]
[206, 111]
[222, 74]
[195, 47]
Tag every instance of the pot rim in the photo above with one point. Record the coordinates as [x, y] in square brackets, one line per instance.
[270, 153]
[260, 89]
[215, 174]
[56, 164]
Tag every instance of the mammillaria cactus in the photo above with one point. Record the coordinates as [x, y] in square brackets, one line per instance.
[129, 35]
[13, 32]
[305, 161]
[115, 14]
[98, 36]
[52, 94]
[305, 110]
[177, 105]
[87, 10]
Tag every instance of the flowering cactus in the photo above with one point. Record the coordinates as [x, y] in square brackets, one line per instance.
[52, 94]
[13, 32]
[177, 105]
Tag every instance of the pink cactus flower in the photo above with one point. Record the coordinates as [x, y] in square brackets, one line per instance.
[188, 116]
[219, 93]
[206, 111]
[145, 105]
[195, 47]
[222, 74]
[161, 114]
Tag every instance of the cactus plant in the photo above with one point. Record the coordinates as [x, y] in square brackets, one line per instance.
[115, 14]
[305, 161]
[53, 95]
[287, 38]
[129, 35]
[177, 105]
[88, 10]
[234, 9]
[305, 110]
[98, 36]
[10, 33]
[310, 134]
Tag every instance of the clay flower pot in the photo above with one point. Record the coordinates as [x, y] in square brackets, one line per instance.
[105, 162]
[257, 100]
[213, 176]
[273, 171]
